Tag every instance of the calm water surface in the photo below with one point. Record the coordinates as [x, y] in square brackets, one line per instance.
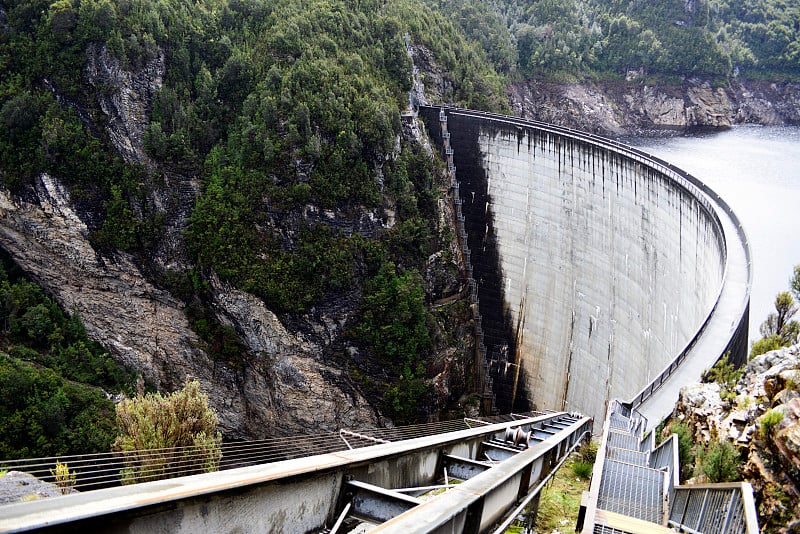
[756, 169]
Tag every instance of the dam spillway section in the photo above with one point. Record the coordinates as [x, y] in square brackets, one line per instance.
[601, 272]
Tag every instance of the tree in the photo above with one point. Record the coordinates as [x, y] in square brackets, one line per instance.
[780, 329]
[719, 462]
[168, 436]
[780, 323]
[794, 282]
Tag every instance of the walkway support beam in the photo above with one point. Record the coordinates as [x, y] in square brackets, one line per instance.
[303, 494]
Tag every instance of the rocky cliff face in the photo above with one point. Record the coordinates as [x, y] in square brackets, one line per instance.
[761, 416]
[631, 107]
[125, 97]
[284, 385]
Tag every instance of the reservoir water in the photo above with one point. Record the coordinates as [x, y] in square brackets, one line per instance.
[756, 169]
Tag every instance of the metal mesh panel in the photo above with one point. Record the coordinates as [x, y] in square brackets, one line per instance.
[709, 510]
[663, 455]
[627, 456]
[619, 421]
[632, 490]
[602, 529]
[623, 440]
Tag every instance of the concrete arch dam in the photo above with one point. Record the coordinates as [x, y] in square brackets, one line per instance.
[601, 272]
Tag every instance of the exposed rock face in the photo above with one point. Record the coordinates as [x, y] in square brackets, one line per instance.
[16, 486]
[432, 85]
[283, 389]
[125, 98]
[287, 374]
[770, 383]
[631, 107]
[142, 325]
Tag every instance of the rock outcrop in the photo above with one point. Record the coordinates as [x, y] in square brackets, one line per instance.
[632, 107]
[16, 486]
[760, 415]
[125, 97]
[284, 386]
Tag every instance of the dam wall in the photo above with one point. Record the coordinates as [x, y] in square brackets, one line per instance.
[598, 268]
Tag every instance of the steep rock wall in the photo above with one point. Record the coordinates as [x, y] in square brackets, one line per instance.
[283, 388]
[632, 107]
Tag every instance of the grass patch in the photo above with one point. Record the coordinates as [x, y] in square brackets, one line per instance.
[582, 469]
[561, 497]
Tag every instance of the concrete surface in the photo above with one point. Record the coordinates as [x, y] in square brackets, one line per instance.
[596, 266]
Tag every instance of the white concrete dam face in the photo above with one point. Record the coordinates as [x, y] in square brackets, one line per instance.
[595, 266]
[609, 268]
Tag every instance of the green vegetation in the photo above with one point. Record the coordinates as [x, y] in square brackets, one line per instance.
[50, 375]
[582, 469]
[726, 375]
[719, 462]
[560, 499]
[564, 40]
[395, 327]
[686, 453]
[780, 329]
[42, 414]
[63, 477]
[768, 421]
[179, 429]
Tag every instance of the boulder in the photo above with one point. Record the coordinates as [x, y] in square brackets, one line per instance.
[16, 486]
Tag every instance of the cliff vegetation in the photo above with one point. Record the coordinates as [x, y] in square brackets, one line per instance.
[224, 189]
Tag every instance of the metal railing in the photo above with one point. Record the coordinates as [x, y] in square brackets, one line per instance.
[714, 509]
[707, 508]
[103, 470]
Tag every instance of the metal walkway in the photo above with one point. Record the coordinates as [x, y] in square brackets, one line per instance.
[636, 487]
[468, 480]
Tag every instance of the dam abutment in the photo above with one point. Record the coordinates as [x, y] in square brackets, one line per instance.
[601, 272]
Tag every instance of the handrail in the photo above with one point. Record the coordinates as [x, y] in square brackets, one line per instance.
[727, 508]
[697, 508]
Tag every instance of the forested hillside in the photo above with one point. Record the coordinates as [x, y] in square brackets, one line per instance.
[204, 150]
[568, 40]
[282, 120]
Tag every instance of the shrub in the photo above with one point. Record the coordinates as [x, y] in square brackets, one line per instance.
[685, 445]
[726, 375]
[588, 452]
[168, 436]
[719, 462]
[64, 478]
[769, 421]
[582, 469]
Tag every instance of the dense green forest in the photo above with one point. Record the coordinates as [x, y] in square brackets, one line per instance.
[276, 105]
[50, 376]
[566, 40]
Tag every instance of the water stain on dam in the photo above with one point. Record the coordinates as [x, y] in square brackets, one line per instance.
[500, 332]
[594, 267]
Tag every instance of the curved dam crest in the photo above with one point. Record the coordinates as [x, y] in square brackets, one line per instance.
[596, 266]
